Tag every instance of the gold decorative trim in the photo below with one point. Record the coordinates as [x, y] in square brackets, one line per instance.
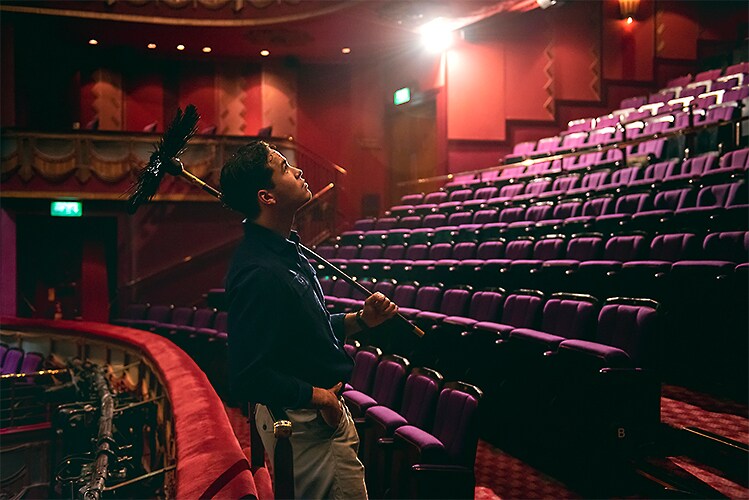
[169, 21]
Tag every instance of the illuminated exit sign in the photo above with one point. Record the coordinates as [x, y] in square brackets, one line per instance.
[402, 96]
[66, 209]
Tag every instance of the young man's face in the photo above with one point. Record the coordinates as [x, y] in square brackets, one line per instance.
[290, 188]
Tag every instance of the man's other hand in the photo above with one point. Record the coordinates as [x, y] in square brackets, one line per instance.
[326, 400]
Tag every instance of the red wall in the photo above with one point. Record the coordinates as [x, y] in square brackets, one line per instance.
[8, 284]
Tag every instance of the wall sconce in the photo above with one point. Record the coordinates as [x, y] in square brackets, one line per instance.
[628, 9]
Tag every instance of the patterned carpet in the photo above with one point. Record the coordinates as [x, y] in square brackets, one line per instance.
[500, 475]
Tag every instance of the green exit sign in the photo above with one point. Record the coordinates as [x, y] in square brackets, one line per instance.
[66, 209]
[402, 95]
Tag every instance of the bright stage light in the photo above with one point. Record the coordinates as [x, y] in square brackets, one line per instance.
[437, 35]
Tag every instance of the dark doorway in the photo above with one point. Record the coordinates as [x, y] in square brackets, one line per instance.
[66, 266]
[413, 145]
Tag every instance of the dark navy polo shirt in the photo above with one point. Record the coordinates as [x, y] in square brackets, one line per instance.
[282, 340]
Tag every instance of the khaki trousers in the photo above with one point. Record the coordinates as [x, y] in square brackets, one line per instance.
[326, 464]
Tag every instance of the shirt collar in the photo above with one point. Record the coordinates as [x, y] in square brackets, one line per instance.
[273, 240]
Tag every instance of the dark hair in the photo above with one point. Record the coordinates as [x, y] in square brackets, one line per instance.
[246, 173]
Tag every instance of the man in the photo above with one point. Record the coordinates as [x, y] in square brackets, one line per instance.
[285, 351]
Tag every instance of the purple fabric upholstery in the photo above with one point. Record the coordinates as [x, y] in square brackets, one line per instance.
[404, 295]
[458, 218]
[12, 361]
[365, 365]
[434, 220]
[512, 214]
[3, 351]
[387, 388]
[520, 310]
[32, 362]
[464, 250]
[519, 249]
[412, 199]
[533, 189]
[435, 197]
[364, 224]
[461, 195]
[428, 298]
[625, 248]
[417, 252]
[409, 222]
[692, 167]
[157, 314]
[454, 303]
[506, 193]
[485, 216]
[485, 193]
[385, 223]
[485, 306]
[539, 212]
[490, 250]
[731, 246]
[599, 355]
[549, 248]
[592, 208]
[631, 328]
[440, 251]
[346, 252]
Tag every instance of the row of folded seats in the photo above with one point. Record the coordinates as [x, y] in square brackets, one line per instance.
[708, 94]
[634, 263]
[15, 360]
[699, 296]
[199, 331]
[557, 179]
[418, 434]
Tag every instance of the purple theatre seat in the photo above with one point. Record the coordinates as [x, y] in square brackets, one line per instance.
[454, 302]
[398, 211]
[351, 347]
[375, 237]
[12, 361]
[3, 351]
[506, 194]
[625, 207]
[428, 298]
[654, 174]
[460, 195]
[561, 186]
[132, 312]
[600, 277]
[435, 197]
[341, 289]
[350, 238]
[556, 274]
[219, 327]
[365, 364]
[469, 270]
[449, 207]
[184, 335]
[521, 309]
[648, 276]
[156, 315]
[440, 463]
[533, 214]
[325, 251]
[387, 388]
[409, 222]
[619, 179]
[458, 218]
[664, 205]
[734, 162]
[462, 181]
[520, 151]
[391, 253]
[565, 316]
[420, 393]
[181, 316]
[609, 396]
[560, 212]
[711, 201]
[364, 224]
[533, 189]
[691, 168]
[521, 248]
[32, 362]
[434, 220]
[412, 199]
[591, 209]
[385, 223]
[633, 102]
[730, 246]
[353, 301]
[522, 272]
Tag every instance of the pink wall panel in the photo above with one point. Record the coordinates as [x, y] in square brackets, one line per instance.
[628, 49]
[198, 87]
[527, 63]
[476, 106]
[144, 101]
[577, 52]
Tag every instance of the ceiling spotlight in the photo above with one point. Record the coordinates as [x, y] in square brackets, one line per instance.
[180, 47]
[437, 35]
[346, 50]
[545, 4]
[265, 53]
[93, 41]
[151, 46]
[206, 49]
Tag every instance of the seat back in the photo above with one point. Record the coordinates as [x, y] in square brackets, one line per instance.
[464, 250]
[630, 325]
[221, 322]
[434, 220]
[572, 316]
[365, 366]
[341, 288]
[435, 197]
[485, 193]
[673, 247]
[404, 295]
[419, 251]
[461, 195]
[585, 247]
[159, 313]
[713, 196]
[625, 248]
[485, 216]
[549, 248]
[512, 214]
[3, 350]
[674, 199]
[566, 209]
[394, 252]
[456, 419]
[420, 393]
[522, 308]
[539, 212]
[390, 377]
[597, 206]
[385, 287]
[32, 362]
[731, 246]
[519, 249]
[385, 223]
[371, 252]
[12, 361]
[347, 252]
[203, 317]
[490, 250]
[428, 298]
[486, 305]
[455, 302]
[182, 315]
